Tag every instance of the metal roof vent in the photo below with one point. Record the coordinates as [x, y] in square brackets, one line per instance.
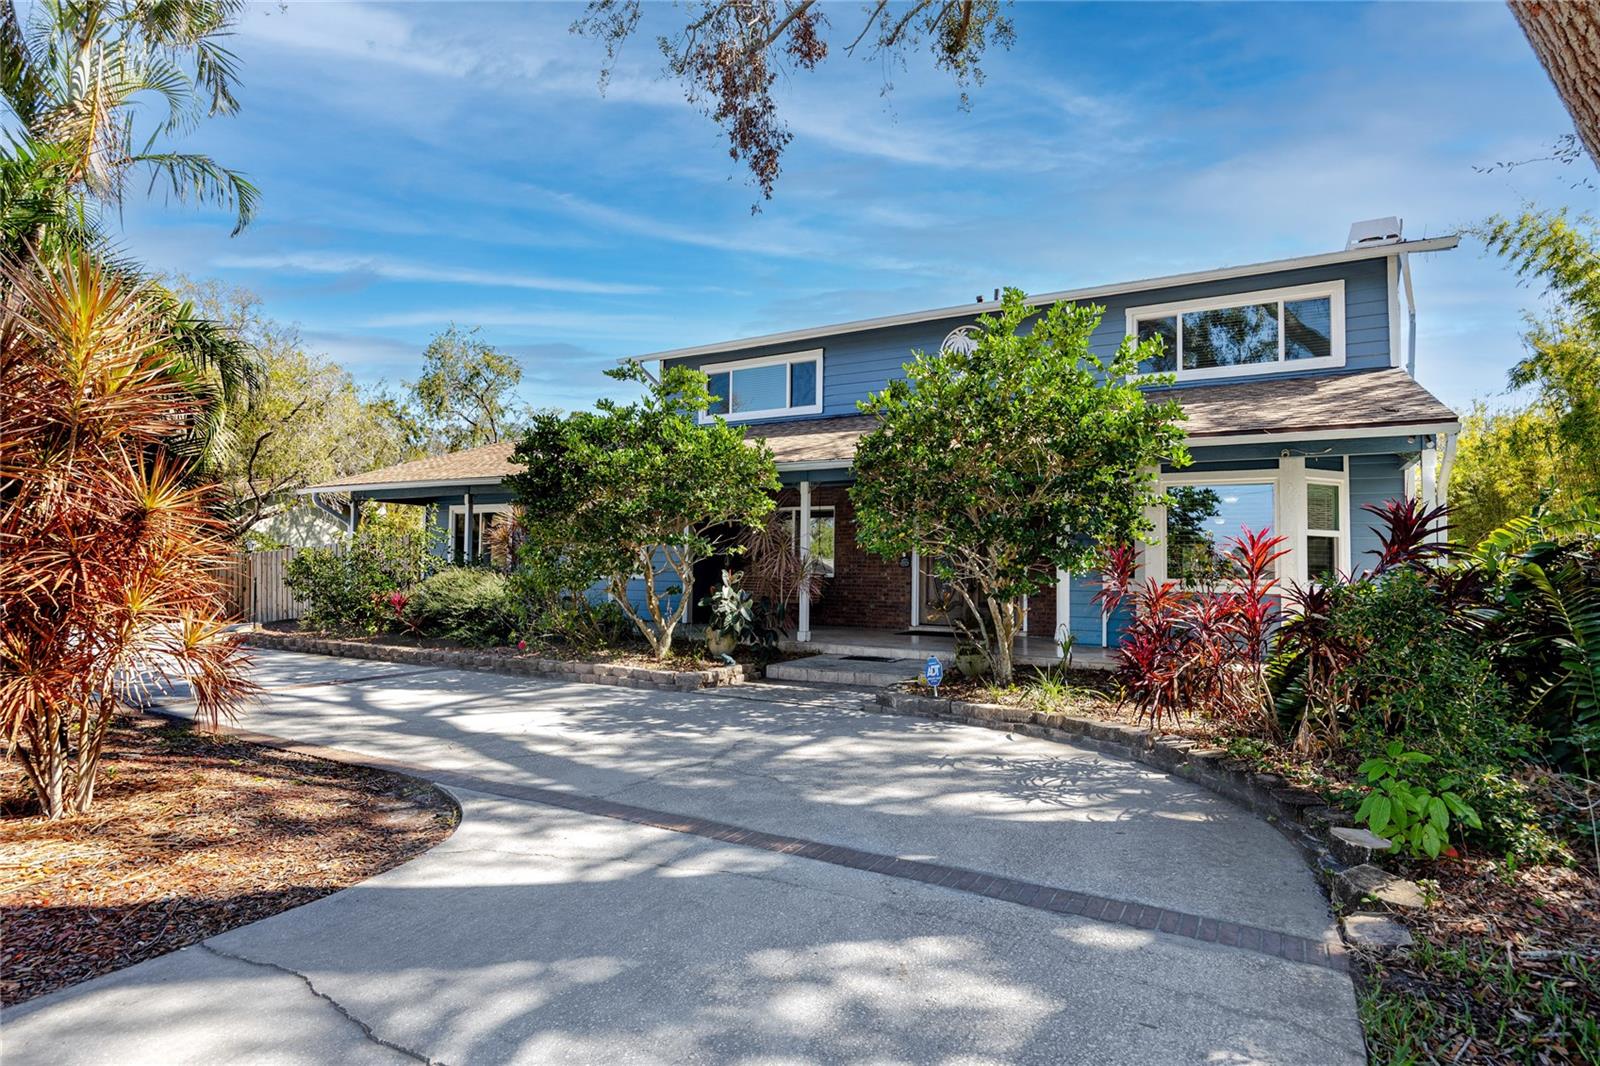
[1374, 231]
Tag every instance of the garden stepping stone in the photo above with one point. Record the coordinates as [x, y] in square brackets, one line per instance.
[1364, 882]
[1376, 931]
[1353, 845]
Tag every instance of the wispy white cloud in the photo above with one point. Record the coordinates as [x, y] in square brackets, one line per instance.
[390, 269]
[569, 322]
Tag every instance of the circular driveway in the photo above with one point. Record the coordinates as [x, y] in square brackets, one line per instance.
[760, 874]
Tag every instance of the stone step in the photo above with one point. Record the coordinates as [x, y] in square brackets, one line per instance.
[1360, 884]
[858, 672]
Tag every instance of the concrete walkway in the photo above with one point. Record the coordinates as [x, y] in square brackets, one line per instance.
[540, 933]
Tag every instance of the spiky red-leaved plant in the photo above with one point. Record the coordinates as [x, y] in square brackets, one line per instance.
[107, 553]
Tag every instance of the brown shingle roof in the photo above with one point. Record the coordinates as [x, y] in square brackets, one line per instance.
[815, 440]
[486, 461]
[1370, 399]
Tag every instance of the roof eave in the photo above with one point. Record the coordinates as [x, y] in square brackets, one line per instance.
[431, 483]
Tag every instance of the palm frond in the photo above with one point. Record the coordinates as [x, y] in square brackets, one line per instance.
[201, 179]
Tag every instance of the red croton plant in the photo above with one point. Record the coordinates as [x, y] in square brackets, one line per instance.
[107, 551]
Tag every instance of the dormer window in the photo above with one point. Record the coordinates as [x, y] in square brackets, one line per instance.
[1247, 333]
[768, 387]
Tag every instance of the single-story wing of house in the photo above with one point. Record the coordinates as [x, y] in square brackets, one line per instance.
[1297, 377]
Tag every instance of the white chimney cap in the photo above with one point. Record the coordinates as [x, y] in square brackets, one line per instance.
[1374, 231]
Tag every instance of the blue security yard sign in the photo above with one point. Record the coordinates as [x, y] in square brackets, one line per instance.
[933, 673]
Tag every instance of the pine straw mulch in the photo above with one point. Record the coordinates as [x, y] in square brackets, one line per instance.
[191, 834]
[1506, 969]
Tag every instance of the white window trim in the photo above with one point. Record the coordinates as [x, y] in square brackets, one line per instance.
[788, 383]
[827, 511]
[461, 509]
[1341, 480]
[1333, 290]
[1289, 521]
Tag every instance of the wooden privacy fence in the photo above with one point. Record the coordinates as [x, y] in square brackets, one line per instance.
[235, 578]
[270, 599]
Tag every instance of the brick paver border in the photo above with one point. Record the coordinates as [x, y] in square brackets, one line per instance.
[1042, 897]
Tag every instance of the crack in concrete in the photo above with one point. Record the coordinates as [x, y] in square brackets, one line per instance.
[366, 1030]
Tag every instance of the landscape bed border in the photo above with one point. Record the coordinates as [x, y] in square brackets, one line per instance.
[594, 673]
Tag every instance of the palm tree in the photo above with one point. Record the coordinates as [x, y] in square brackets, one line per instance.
[73, 77]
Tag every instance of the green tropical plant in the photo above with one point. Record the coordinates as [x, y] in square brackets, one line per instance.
[76, 79]
[1407, 809]
[736, 613]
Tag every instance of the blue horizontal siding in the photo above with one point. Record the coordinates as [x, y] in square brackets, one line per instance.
[856, 364]
[1374, 479]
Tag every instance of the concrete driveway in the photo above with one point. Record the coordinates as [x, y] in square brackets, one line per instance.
[756, 875]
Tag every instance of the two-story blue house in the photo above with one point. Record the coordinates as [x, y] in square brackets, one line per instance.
[1296, 375]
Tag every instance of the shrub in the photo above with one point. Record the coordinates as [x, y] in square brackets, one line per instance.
[467, 604]
[1202, 650]
[347, 589]
[551, 598]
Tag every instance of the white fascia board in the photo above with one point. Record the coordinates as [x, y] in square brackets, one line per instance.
[1401, 430]
[1345, 255]
[445, 483]
[821, 464]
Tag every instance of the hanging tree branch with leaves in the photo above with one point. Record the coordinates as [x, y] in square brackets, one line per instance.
[730, 53]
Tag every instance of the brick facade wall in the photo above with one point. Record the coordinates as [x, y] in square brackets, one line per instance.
[864, 590]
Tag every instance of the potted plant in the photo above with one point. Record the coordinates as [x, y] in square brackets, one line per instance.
[971, 660]
[735, 618]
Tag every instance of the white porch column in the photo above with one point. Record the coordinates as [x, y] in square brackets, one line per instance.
[1447, 459]
[1428, 473]
[802, 629]
[355, 513]
[1063, 609]
[1292, 517]
[467, 547]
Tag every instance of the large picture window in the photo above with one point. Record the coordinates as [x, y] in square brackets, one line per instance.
[1285, 329]
[1203, 515]
[761, 388]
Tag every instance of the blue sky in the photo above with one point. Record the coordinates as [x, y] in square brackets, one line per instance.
[426, 163]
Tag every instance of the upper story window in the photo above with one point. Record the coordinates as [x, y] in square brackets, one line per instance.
[788, 384]
[1275, 329]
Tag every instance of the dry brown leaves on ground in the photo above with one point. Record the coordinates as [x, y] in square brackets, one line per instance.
[191, 834]
[1506, 970]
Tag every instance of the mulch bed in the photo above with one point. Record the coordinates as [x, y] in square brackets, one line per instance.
[191, 834]
[685, 657]
[1506, 970]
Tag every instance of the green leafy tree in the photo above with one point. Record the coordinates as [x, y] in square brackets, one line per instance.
[643, 489]
[1020, 456]
[1548, 448]
[466, 395]
[305, 422]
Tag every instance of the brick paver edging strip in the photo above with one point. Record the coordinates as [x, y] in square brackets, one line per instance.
[1012, 890]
